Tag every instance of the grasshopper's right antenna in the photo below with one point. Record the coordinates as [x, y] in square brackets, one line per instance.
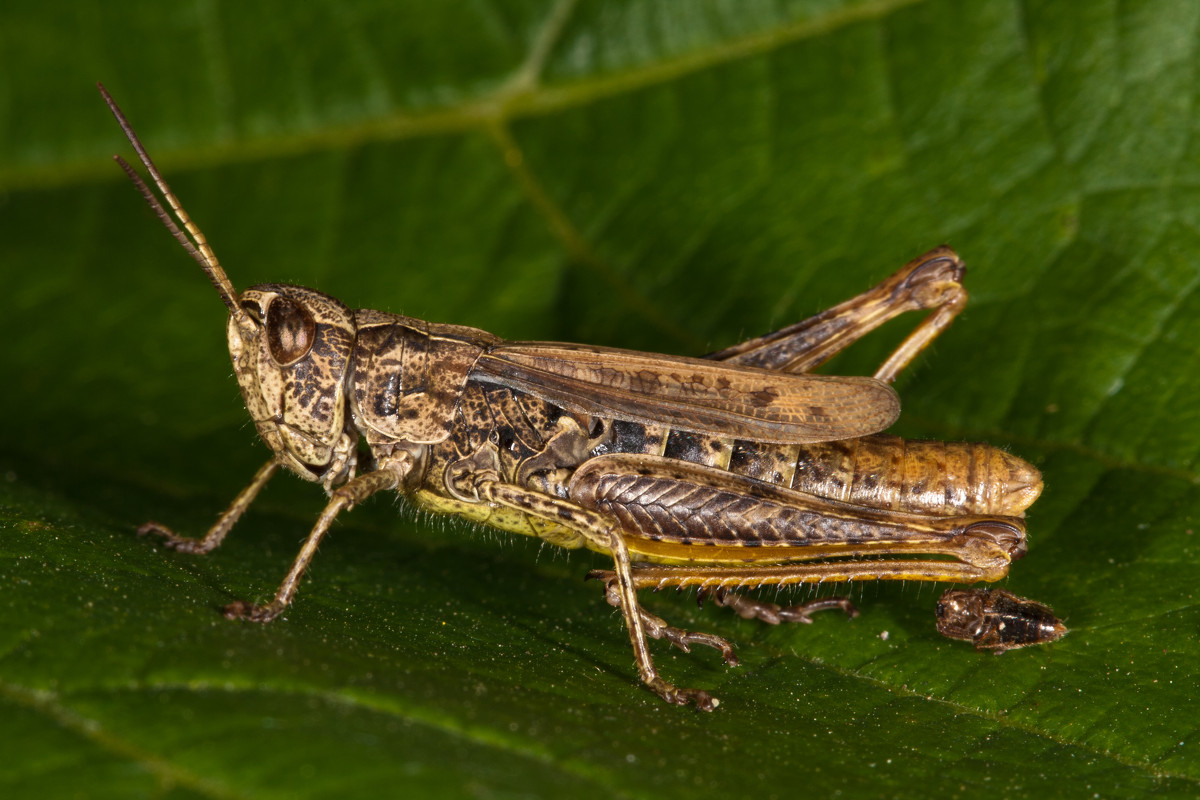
[197, 245]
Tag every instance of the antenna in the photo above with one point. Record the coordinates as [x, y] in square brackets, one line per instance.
[197, 245]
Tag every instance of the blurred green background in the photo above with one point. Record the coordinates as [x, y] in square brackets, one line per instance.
[672, 176]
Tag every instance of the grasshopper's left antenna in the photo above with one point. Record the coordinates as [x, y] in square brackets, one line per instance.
[197, 246]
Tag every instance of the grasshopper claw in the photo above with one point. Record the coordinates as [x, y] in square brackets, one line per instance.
[772, 613]
[172, 540]
[682, 697]
[251, 612]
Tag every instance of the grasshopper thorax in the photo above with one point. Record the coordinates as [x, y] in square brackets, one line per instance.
[291, 349]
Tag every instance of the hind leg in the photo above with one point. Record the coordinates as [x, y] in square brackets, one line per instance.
[932, 281]
[773, 613]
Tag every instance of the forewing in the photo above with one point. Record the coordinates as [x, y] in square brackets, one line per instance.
[692, 394]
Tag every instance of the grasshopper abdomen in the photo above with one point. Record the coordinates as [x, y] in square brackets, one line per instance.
[880, 471]
[918, 475]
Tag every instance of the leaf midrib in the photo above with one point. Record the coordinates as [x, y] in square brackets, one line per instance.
[522, 96]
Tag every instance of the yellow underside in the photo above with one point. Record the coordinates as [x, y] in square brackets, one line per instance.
[738, 563]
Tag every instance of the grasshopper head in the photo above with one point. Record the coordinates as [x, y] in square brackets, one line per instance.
[291, 347]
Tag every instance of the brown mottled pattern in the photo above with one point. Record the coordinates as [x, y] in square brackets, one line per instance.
[409, 376]
[298, 407]
[515, 433]
[539, 414]
[519, 425]
[694, 395]
[474, 421]
[314, 382]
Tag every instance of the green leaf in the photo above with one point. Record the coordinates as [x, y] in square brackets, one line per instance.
[661, 175]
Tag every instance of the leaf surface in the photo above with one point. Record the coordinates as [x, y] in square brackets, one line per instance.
[653, 175]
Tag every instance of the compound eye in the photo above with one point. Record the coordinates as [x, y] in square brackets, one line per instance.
[290, 331]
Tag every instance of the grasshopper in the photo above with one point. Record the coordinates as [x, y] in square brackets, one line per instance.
[738, 470]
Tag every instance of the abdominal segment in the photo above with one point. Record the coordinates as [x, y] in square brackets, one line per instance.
[880, 471]
[919, 476]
